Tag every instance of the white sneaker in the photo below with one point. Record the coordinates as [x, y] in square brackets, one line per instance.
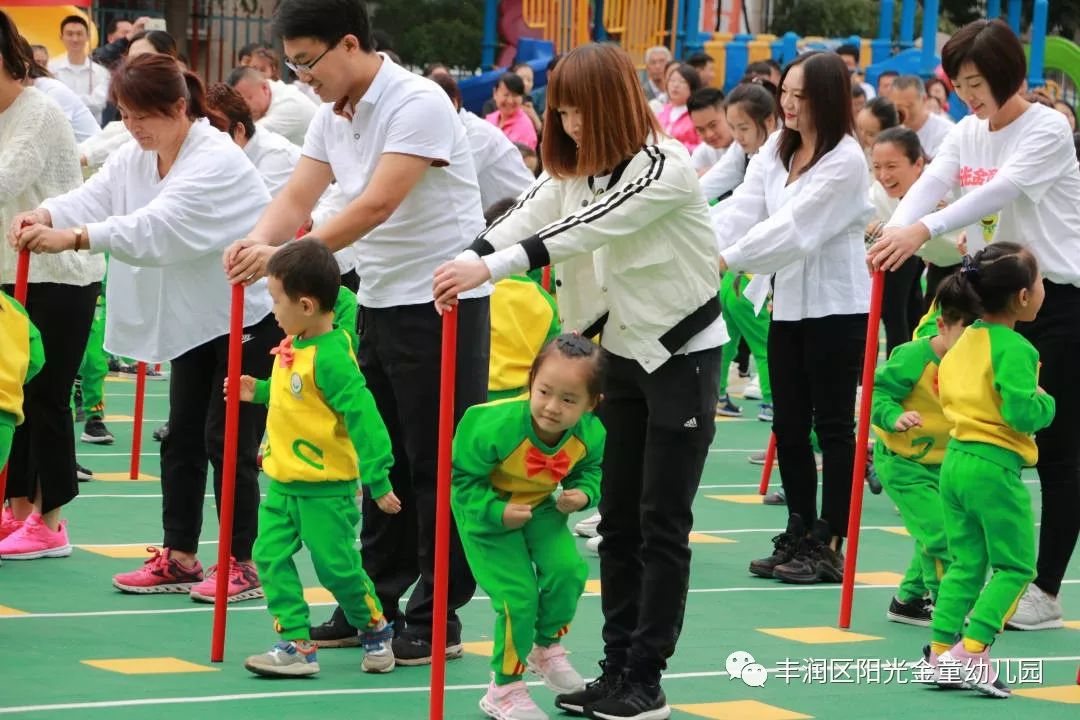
[510, 702]
[1036, 610]
[752, 391]
[554, 669]
[587, 527]
[593, 545]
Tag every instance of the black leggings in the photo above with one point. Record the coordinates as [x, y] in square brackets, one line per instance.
[902, 303]
[43, 449]
[934, 275]
[1056, 335]
[814, 369]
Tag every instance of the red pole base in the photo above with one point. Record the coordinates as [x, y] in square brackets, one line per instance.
[862, 437]
[447, 379]
[228, 474]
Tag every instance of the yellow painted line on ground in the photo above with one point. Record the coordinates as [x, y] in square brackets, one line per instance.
[318, 595]
[483, 648]
[900, 530]
[878, 578]
[741, 710]
[115, 379]
[124, 477]
[742, 499]
[1074, 624]
[116, 551]
[703, 539]
[119, 418]
[1068, 694]
[821, 635]
[10, 611]
[148, 666]
[592, 586]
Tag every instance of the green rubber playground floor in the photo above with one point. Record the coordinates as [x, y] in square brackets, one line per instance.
[76, 648]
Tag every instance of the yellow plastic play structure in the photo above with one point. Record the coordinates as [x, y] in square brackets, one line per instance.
[40, 23]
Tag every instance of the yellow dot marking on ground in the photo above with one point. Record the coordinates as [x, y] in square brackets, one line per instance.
[703, 539]
[592, 586]
[741, 710]
[1068, 694]
[119, 418]
[121, 551]
[148, 666]
[900, 530]
[5, 610]
[1074, 624]
[318, 595]
[742, 499]
[484, 648]
[821, 635]
[113, 378]
[878, 578]
[124, 477]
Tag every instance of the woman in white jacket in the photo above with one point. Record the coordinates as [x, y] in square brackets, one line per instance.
[800, 215]
[164, 207]
[37, 160]
[623, 216]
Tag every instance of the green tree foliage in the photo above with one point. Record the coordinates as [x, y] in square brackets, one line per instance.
[828, 18]
[430, 31]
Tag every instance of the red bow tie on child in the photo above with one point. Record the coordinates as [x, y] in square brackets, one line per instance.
[285, 353]
[536, 462]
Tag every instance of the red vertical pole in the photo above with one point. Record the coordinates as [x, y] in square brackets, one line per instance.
[770, 458]
[545, 278]
[870, 354]
[228, 474]
[447, 378]
[136, 433]
[22, 285]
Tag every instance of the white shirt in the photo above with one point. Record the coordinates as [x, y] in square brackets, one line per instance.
[725, 176]
[940, 250]
[89, 81]
[97, 149]
[404, 113]
[1034, 153]
[275, 158]
[290, 112]
[933, 133]
[167, 292]
[500, 169]
[705, 156]
[639, 250]
[809, 233]
[38, 161]
[82, 122]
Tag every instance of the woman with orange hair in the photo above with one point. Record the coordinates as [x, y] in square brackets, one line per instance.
[621, 213]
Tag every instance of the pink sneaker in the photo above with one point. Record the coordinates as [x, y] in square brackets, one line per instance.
[510, 702]
[160, 574]
[551, 665]
[8, 523]
[976, 670]
[243, 583]
[35, 540]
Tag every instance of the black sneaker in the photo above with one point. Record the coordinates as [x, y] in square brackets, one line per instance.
[412, 651]
[872, 480]
[118, 366]
[725, 407]
[335, 632]
[917, 612]
[95, 432]
[83, 474]
[77, 401]
[633, 700]
[815, 561]
[784, 546]
[162, 432]
[603, 687]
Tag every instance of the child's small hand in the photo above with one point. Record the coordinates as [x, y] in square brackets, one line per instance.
[571, 501]
[389, 503]
[516, 515]
[247, 388]
[907, 420]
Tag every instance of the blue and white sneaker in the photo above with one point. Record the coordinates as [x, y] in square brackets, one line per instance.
[378, 648]
[765, 414]
[288, 658]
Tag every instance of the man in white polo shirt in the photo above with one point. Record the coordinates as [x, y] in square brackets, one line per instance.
[400, 155]
[278, 107]
[908, 94]
[75, 69]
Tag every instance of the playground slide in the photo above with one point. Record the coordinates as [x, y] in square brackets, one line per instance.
[41, 25]
[512, 27]
[1063, 55]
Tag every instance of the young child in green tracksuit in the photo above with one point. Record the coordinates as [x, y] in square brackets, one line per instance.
[913, 433]
[22, 357]
[990, 393]
[509, 457]
[324, 432]
[743, 324]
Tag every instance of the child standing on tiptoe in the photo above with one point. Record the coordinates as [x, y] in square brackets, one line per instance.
[914, 432]
[990, 392]
[509, 456]
[324, 432]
